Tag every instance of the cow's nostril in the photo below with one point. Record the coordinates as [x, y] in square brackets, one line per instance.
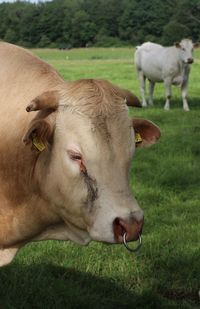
[118, 229]
[131, 226]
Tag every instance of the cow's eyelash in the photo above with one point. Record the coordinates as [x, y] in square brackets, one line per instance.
[74, 155]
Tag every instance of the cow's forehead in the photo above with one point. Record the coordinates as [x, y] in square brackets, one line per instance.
[102, 123]
[187, 43]
[93, 97]
[103, 130]
[95, 109]
[113, 126]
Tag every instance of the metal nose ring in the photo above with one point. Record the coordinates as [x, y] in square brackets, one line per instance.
[127, 246]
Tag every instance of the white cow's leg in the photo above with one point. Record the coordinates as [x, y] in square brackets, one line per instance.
[7, 255]
[168, 93]
[151, 89]
[184, 91]
[142, 79]
[64, 232]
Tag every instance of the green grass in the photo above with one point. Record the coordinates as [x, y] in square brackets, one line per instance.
[165, 179]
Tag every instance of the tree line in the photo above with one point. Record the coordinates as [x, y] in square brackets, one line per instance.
[80, 23]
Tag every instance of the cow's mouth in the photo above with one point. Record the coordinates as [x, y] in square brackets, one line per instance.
[188, 61]
[129, 248]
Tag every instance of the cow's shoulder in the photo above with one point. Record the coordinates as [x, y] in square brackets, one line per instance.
[16, 57]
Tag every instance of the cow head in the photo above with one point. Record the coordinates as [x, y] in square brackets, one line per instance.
[186, 47]
[84, 174]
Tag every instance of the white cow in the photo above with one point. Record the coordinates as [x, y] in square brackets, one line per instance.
[170, 65]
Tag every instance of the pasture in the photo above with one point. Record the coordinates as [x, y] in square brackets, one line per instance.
[165, 179]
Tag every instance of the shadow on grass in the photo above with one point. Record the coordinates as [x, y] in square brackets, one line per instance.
[49, 286]
[170, 273]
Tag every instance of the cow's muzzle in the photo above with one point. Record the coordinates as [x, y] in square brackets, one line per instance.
[190, 60]
[126, 230]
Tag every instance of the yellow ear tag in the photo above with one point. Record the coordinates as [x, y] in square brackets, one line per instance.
[39, 145]
[138, 138]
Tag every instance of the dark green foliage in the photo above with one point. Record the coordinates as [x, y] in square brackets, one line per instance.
[170, 36]
[81, 23]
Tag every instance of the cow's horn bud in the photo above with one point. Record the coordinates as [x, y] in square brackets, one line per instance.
[47, 100]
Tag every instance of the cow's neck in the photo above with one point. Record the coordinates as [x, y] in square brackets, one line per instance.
[23, 212]
[19, 224]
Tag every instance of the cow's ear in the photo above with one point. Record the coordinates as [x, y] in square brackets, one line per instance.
[146, 132]
[177, 45]
[39, 134]
[196, 45]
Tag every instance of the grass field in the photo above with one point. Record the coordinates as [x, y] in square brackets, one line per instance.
[165, 179]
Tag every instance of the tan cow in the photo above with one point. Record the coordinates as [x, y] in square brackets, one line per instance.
[65, 155]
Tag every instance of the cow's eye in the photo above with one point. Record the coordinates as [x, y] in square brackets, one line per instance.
[75, 156]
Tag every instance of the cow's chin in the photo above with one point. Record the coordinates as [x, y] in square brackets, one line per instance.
[77, 234]
[83, 237]
[105, 236]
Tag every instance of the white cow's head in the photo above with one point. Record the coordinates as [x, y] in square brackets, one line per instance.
[84, 172]
[186, 47]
